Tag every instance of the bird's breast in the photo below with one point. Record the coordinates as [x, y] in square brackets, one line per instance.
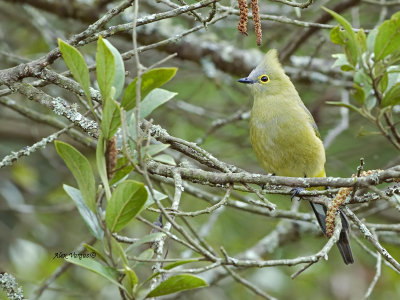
[285, 142]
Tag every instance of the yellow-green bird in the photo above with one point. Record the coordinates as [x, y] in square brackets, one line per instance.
[284, 135]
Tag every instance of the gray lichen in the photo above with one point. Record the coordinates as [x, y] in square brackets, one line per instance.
[63, 108]
[10, 286]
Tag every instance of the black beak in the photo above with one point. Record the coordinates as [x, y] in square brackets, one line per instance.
[246, 80]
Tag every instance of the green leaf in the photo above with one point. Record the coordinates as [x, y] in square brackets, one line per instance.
[342, 62]
[370, 102]
[349, 106]
[349, 37]
[179, 263]
[177, 283]
[150, 80]
[119, 251]
[371, 39]
[94, 266]
[129, 98]
[131, 122]
[388, 37]
[105, 68]
[145, 255]
[171, 266]
[77, 65]
[124, 168]
[150, 201]
[154, 149]
[361, 40]
[342, 21]
[88, 216]
[166, 159]
[337, 36]
[394, 58]
[359, 94]
[130, 279]
[111, 118]
[125, 203]
[351, 53]
[101, 164]
[363, 132]
[362, 79]
[393, 76]
[392, 97]
[99, 254]
[154, 99]
[347, 68]
[119, 79]
[383, 83]
[379, 69]
[81, 170]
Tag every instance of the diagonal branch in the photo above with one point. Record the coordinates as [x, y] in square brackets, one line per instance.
[370, 237]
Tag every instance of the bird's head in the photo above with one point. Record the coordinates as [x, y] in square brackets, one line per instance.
[268, 77]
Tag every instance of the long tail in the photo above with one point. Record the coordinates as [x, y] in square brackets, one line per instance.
[343, 243]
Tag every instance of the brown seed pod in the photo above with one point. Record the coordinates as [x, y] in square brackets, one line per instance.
[111, 156]
[333, 209]
[257, 21]
[338, 201]
[243, 17]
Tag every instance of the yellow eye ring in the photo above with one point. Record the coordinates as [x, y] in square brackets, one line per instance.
[264, 78]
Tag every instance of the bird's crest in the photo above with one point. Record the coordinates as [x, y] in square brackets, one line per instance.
[270, 63]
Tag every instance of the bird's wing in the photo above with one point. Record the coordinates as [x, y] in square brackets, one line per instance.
[311, 120]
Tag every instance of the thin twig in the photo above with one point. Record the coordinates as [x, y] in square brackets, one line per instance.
[376, 277]
[28, 150]
[159, 244]
[295, 4]
[369, 236]
[324, 251]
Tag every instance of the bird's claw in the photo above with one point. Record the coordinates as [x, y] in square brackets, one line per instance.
[296, 191]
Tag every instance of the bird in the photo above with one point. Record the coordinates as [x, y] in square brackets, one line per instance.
[285, 137]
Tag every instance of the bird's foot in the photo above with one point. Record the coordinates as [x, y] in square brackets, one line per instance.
[296, 191]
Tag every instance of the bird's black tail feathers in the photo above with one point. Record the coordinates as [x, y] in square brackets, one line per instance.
[344, 242]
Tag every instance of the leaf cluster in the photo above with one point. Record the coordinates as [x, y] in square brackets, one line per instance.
[125, 198]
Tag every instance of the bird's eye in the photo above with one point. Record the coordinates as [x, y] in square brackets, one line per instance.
[264, 78]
